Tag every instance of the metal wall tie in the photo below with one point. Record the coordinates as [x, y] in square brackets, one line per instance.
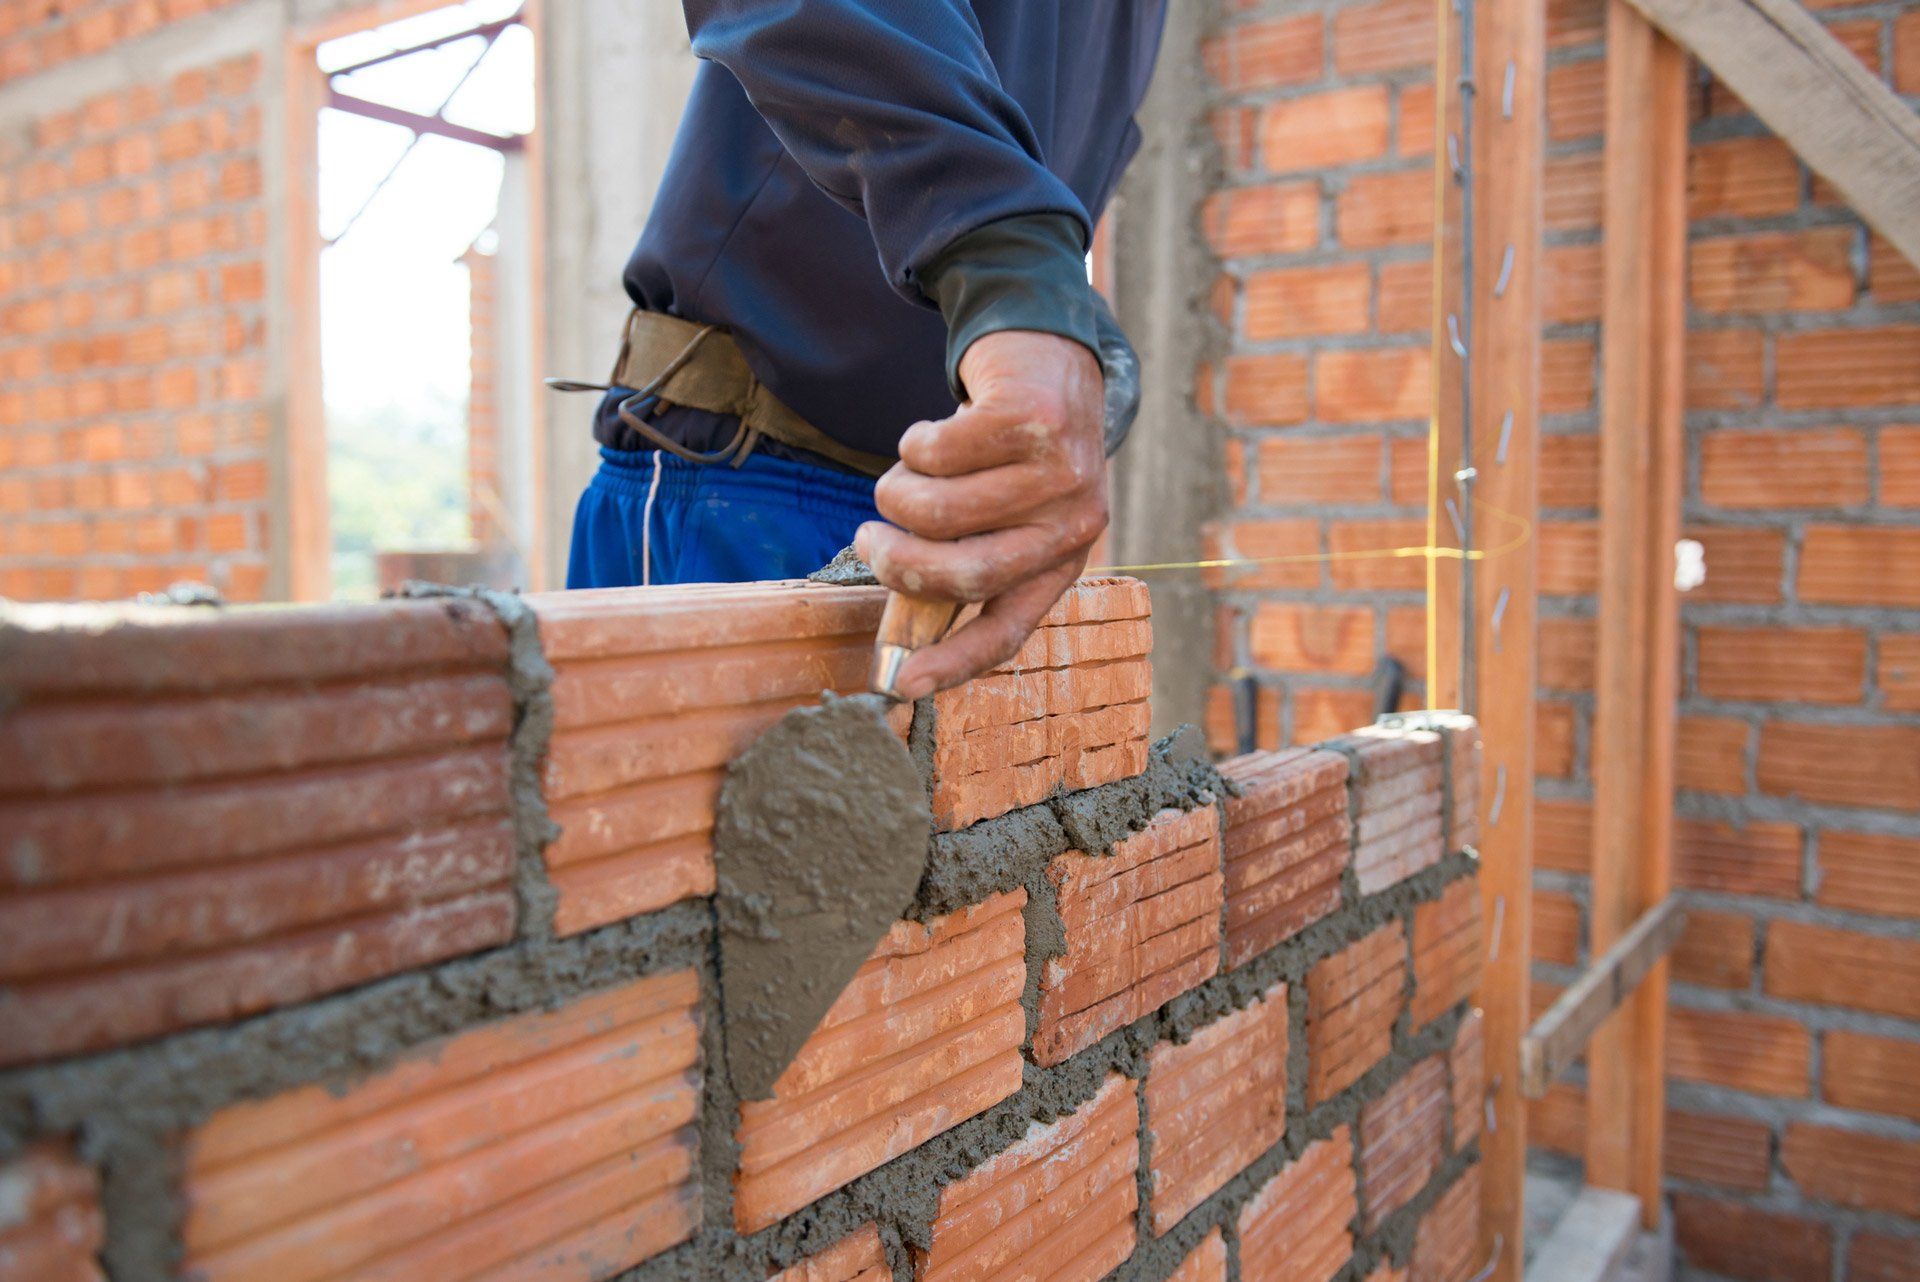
[1499, 613]
[1506, 434]
[1506, 93]
[1453, 335]
[1499, 795]
[1506, 271]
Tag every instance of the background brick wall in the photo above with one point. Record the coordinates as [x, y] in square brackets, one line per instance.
[301, 975]
[37, 35]
[134, 420]
[1798, 828]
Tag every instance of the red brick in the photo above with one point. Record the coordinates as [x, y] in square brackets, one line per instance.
[1860, 565]
[303, 801]
[1773, 271]
[1397, 804]
[1562, 834]
[1740, 1241]
[1733, 1152]
[1264, 55]
[1142, 926]
[1715, 950]
[1725, 368]
[1557, 1121]
[1222, 734]
[1744, 565]
[1267, 390]
[1320, 713]
[926, 1035]
[1570, 284]
[1848, 367]
[1576, 99]
[1353, 999]
[1283, 218]
[1391, 35]
[573, 1129]
[1467, 1078]
[1325, 130]
[1307, 638]
[1368, 555]
[1447, 951]
[1448, 1239]
[1553, 738]
[1753, 859]
[1319, 470]
[1742, 178]
[1869, 873]
[1286, 845]
[1761, 1054]
[1401, 1137]
[1853, 1168]
[1205, 1263]
[1876, 1074]
[51, 1226]
[1286, 554]
[1574, 22]
[1566, 652]
[1906, 53]
[1215, 1103]
[1405, 305]
[1567, 373]
[1883, 1257]
[1416, 120]
[1890, 277]
[1775, 469]
[1571, 196]
[1900, 671]
[1569, 557]
[1299, 302]
[1810, 963]
[1842, 765]
[1295, 1228]
[857, 1257]
[1059, 1204]
[1385, 209]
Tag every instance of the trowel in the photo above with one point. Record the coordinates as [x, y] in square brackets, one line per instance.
[824, 826]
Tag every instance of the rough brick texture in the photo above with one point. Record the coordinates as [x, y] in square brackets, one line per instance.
[1402, 1138]
[1287, 843]
[1447, 950]
[1206, 1263]
[50, 1219]
[1397, 802]
[1069, 710]
[1057, 1205]
[1295, 1229]
[652, 695]
[559, 1144]
[926, 1035]
[1142, 926]
[1448, 1236]
[204, 816]
[135, 412]
[1215, 1104]
[1798, 765]
[1353, 999]
[857, 1257]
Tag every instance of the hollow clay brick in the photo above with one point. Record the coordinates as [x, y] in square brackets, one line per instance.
[926, 1035]
[1444, 1245]
[571, 1129]
[1295, 1228]
[210, 813]
[1288, 840]
[1402, 1133]
[1447, 951]
[857, 1257]
[1353, 999]
[1142, 926]
[1059, 1204]
[1205, 1263]
[1467, 1075]
[1397, 803]
[1215, 1103]
[50, 1219]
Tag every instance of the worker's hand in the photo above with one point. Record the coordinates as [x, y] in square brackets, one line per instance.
[999, 504]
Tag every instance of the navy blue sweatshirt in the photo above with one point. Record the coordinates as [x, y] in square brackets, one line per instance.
[855, 178]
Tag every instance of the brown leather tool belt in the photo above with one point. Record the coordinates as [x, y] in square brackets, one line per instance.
[682, 362]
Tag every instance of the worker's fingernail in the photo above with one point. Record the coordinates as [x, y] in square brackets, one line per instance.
[916, 689]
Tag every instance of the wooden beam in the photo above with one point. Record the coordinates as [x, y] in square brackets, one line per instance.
[1642, 351]
[1557, 1037]
[1838, 116]
[1591, 1241]
[1488, 629]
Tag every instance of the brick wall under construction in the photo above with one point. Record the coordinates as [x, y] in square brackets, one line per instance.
[378, 942]
[1793, 1140]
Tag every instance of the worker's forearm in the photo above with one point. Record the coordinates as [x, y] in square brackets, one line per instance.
[1027, 273]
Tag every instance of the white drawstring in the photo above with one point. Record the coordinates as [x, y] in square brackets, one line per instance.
[646, 526]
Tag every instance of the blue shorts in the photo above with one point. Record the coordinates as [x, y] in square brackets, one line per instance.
[769, 518]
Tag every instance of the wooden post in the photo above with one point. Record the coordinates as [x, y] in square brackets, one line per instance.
[1643, 335]
[1502, 381]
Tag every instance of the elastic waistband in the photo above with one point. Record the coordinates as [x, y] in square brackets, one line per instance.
[810, 488]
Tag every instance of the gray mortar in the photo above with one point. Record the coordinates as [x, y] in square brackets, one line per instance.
[835, 784]
[846, 570]
[530, 680]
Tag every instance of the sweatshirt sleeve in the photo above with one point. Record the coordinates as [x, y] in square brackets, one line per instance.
[895, 110]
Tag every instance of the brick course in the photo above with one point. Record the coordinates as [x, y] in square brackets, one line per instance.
[1295, 1229]
[50, 1218]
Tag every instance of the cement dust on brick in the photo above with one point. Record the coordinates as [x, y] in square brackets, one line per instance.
[819, 845]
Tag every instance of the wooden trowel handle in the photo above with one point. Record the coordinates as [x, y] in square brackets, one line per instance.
[908, 623]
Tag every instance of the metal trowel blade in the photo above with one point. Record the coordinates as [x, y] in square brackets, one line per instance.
[819, 846]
